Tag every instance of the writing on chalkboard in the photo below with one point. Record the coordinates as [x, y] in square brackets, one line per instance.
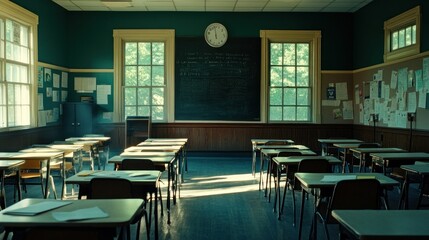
[217, 83]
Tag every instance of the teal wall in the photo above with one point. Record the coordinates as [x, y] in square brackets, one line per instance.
[52, 30]
[368, 29]
[91, 44]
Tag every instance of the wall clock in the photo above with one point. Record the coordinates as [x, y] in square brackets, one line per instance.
[216, 35]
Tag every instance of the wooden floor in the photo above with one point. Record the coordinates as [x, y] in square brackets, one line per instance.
[220, 200]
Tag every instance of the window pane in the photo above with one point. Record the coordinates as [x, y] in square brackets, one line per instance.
[276, 113]
[303, 95]
[158, 113]
[414, 34]
[158, 53]
[158, 96]
[144, 75]
[289, 54]
[130, 53]
[131, 76]
[275, 96]
[158, 76]
[3, 115]
[289, 96]
[303, 113]
[408, 36]
[130, 111]
[144, 53]
[395, 40]
[276, 54]
[302, 77]
[289, 76]
[289, 113]
[143, 111]
[302, 53]
[276, 77]
[401, 38]
[130, 96]
[143, 96]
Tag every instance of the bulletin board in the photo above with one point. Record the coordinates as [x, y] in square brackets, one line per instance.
[391, 92]
[337, 98]
[52, 90]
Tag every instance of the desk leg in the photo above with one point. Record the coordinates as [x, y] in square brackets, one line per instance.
[48, 175]
[63, 170]
[168, 191]
[404, 193]
[301, 214]
[268, 180]
[2, 192]
[156, 213]
[261, 167]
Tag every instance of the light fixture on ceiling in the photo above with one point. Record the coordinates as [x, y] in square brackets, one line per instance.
[117, 3]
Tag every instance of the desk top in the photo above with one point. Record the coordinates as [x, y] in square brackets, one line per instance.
[101, 139]
[118, 214]
[143, 148]
[31, 155]
[299, 147]
[155, 160]
[147, 154]
[160, 143]
[139, 177]
[319, 180]
[384, 224]
[167, 140]
[346, 145]
[275, 152]
[417, 168]
[340, 140]
[264, 141]
[8, 164]
[377, 150]
[401, 156]
[295, 160]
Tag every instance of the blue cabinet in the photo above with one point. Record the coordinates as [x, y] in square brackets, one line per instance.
[77, 119]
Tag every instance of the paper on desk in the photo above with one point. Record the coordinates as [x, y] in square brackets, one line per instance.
[81, 214]
[36, 208]
[337, 178]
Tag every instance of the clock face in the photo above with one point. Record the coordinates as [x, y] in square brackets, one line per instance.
[216, 35]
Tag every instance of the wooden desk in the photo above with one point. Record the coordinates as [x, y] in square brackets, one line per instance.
[141, 148]
[315, 180]
[89, 146]
[294, 161]
[172, 173]
[361, 153]
[48, 157]
[9, 165]
[329, 143]
[390, 160]
[149, 181]
[268, 154]
[119, 216]
[421, 169]
[384, 224]
[344, 151]
[258, 142]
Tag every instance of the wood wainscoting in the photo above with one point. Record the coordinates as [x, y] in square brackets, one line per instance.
[232, 136]
[16, 140]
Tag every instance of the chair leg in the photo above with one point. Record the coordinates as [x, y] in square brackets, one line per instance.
[51, 180]
[294, 207]
[326, 230]
[160, 202]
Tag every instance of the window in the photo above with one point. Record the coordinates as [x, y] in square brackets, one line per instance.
[144, 70]
[402, 35]
[291, 72]
[18, 29]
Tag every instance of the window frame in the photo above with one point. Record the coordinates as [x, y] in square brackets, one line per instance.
[400, 21]
[150, 35]
[21, 15]
[295, 36]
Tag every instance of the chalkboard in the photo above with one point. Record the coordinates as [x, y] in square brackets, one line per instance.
[219, 84]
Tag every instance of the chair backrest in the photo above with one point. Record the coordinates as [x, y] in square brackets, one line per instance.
[137, 164]
[107, 188]
[356, 194]
[277, 142]
[369, 145]
[314, 166]
[289, 153]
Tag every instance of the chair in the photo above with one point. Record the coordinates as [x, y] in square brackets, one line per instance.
[355, 160]
[287, 169]
[102, 150]
[33, 169]
[114, 188]
[143, 164]
[319, 165]
[357, 194]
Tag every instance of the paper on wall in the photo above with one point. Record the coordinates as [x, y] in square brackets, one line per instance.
[341, 91]
[412, 102]
[347, 110]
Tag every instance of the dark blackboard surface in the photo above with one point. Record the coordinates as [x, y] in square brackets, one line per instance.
[217, 84]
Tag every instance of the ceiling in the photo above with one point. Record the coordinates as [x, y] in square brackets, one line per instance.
[215, 5]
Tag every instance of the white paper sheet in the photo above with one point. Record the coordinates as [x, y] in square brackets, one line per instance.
[81, 214]
[337, 178]
[36, 208]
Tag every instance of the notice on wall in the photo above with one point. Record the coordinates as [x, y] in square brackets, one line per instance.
[348, 110]
[85, 85]
[103, 91]
[341, 91]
